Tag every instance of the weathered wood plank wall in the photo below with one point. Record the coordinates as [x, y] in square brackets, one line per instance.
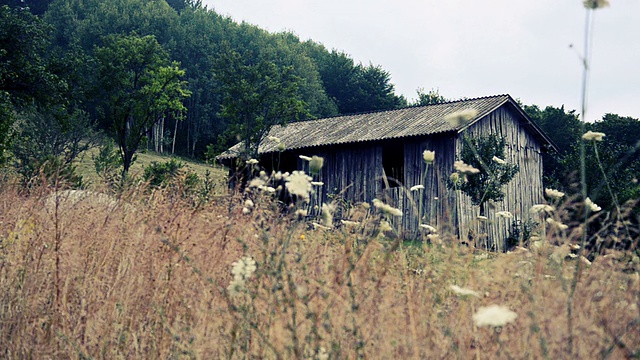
[521, 193]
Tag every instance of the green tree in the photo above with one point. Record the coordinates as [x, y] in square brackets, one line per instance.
[140, 87]
[429, 98]
[257, 95]
[485, 153]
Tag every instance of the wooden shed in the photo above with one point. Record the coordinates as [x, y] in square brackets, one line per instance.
[379, 155]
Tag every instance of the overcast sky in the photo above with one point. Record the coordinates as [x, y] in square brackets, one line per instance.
[472, 48]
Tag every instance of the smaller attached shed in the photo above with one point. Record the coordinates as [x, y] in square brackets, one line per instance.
[379, 155]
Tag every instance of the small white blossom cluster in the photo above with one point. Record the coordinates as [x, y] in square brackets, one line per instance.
[504, 214]
[494, 315]
[242, 270]
[460, 118]
[248, 206]
[386, 209]
[593, 136]
[428, 156]
[463, 291]
[299, 184]
[554, 194]
[557, 224]
[327, 214]
[542, 209]
[591, 205]
[463, 168]
[416, 187]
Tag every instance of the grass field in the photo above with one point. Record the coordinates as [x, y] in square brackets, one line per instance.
[152, 276]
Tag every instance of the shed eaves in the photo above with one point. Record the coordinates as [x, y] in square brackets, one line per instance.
[390, 124]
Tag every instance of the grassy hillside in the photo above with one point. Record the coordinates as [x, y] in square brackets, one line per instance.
[86, 168]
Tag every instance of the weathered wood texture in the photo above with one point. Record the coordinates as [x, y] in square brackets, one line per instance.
[521, 193]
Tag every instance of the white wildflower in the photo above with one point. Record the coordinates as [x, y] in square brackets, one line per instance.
[428, 156]
[595, 4]
[277, 176]
[494, 315]
[268, 189]
[305, 158]
[591, 135]
[235, 287]
[557, 224]
[385, 226]
[504, 214]
[463, 291]
[299, 184]
[463, 168]
[592, 206]
[248, 203]
[246, 211]
[315, 164]
[317, 183]
[243, 268]
[460, 118]
[498, 160]
[416, 187]
[542, 209]
[252, 161]
[327, 214]
[429, 227]
[554, 194]
[256, 183]
[319, 226]
[349, 222]
[387, 209]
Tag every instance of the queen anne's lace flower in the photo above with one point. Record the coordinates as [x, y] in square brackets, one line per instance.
[387, 209]
[428, 156]
[542, 209]
[299, 183]
[494, 315]
[592, 206]
[595, 136]
[416, 187]
[429, 227]
[554, 194]
[463, 168]
[463, 291]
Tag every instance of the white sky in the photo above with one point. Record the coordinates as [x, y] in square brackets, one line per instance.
[471, 48]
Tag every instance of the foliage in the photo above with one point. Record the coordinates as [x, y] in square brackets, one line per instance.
[521, 232]
[108, 163]
[480, 152]
[258, 95]
[140, 87]
[429, 98]
[47, 136]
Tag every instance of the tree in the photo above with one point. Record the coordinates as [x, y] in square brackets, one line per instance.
[257, 95]
[485, 153]
[140, 87]
[429, 98]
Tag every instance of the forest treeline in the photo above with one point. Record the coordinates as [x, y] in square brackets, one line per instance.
[176, 77]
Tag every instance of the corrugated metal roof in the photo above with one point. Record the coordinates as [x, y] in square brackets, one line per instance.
[390, 124]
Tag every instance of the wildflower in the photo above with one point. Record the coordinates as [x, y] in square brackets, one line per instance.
[299, 184]
[428, 156]
[248, 203]
[252, 162]
[463, 168]
[243, 268]
[317, 183]
[349, 223]
[459, 118]
[387, 209]
[554, 194]
[256, 183]
[498, 160]
[557, 224]
[592, 206]
[385, 226]
[416, 187]
[319, 226]
[429, 227]
[455, 178]
[302, 237]
[327, 214]
[246, 211]
[595, 4]
[504, 214]
[542, 209]
[268, 189]
[315, 164]
[463, 291]
[277, 176]
[595, 136]
[482, 218]
[235, 287]
[306, 158]
[433, 237]
[494, 315]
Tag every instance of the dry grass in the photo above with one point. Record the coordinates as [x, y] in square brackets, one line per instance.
[148, 279]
